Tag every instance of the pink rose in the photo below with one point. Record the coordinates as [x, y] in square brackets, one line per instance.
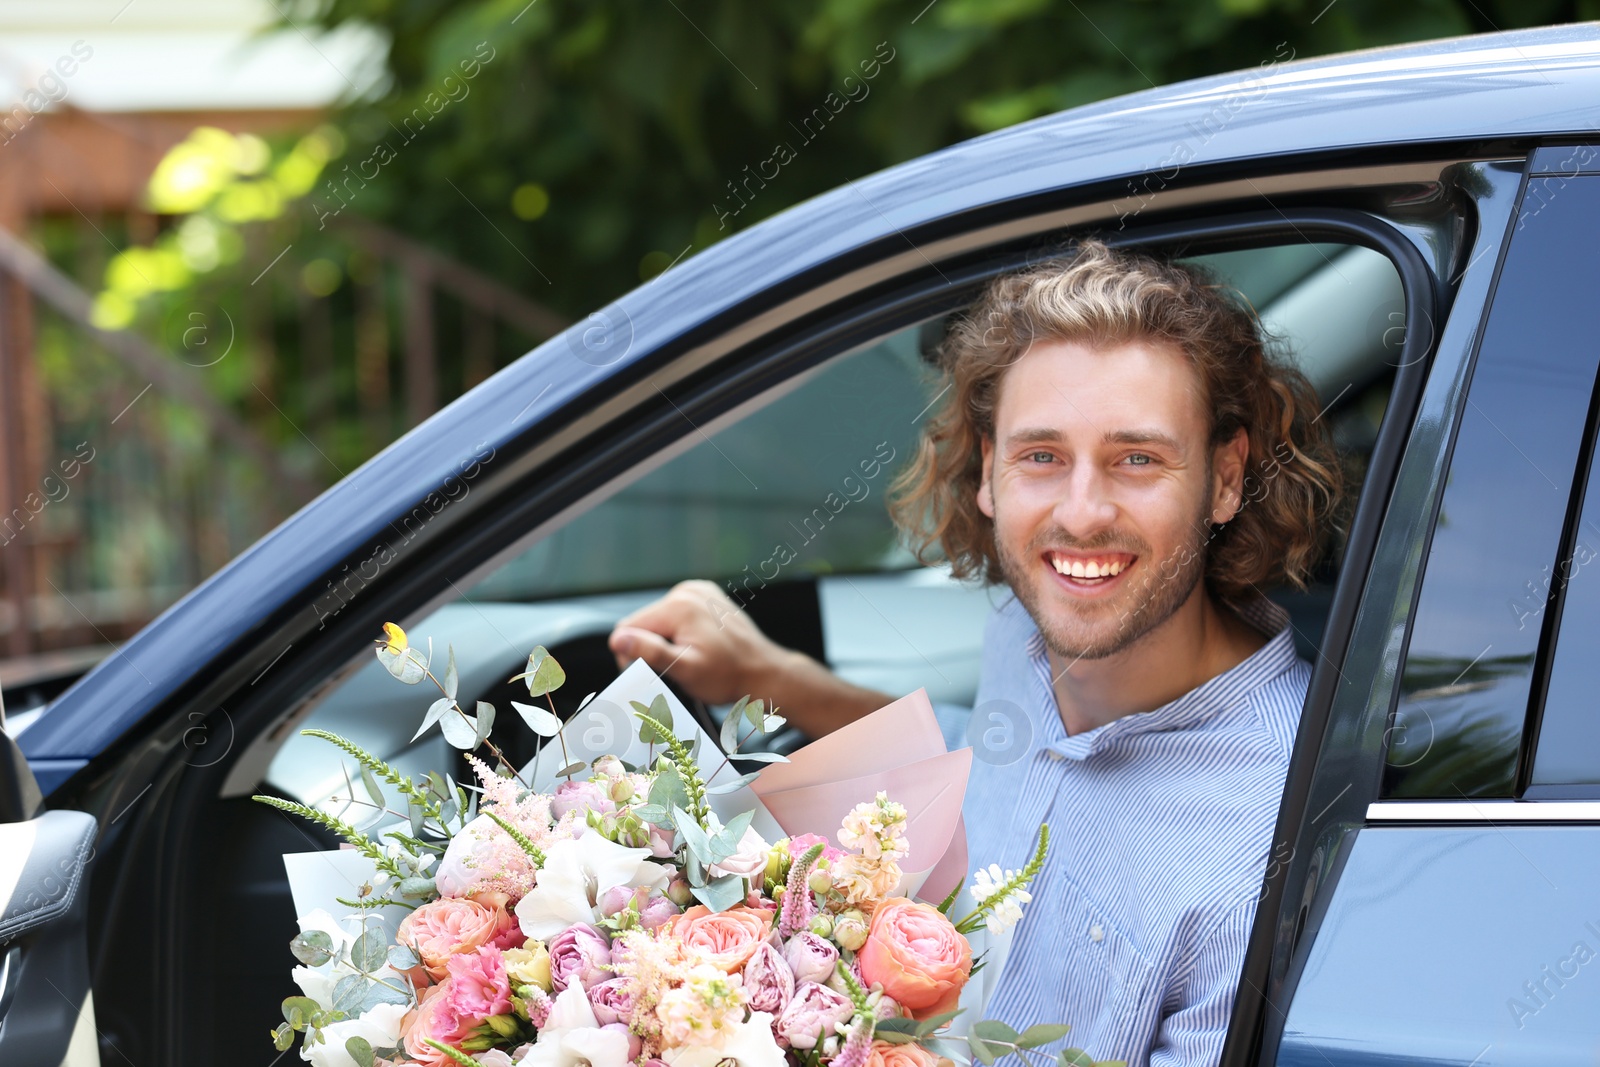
[433, 1017]
[660, 840]
[810, 957]
[727, 937]
[749, 859]
[578, 954]
[768, 981]
[813, 1015]
[612, 1001]
[615, 899]
[917, 956]
[453, 925]
[479, 987]
[884, 1054]
[799, 844]
[581, 796]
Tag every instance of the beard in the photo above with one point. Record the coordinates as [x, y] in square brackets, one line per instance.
[1097, 630]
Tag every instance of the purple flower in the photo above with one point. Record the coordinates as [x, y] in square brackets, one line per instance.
[768, 981]
[581, 796]
[815, 1014]
[810, 957]
[611, 1001]
[578, 954]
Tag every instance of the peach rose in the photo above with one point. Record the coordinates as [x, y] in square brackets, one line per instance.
[884, 1054]
[450, 925]
[917, 956]
[727, 937]
[435, 1017]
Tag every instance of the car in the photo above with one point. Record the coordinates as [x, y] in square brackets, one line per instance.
[1418, 225]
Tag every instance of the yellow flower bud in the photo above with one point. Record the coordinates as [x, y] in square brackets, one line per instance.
[504, 1025]
[850, 930]
[394, 638]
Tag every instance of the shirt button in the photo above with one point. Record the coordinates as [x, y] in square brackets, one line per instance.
[1053, 754]
[1097, 933]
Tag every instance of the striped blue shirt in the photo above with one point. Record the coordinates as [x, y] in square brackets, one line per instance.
[1161, 823]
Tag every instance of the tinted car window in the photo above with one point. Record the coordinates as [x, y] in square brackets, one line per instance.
[1467, 679]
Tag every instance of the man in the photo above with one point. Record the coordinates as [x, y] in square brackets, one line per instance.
[1122, 452]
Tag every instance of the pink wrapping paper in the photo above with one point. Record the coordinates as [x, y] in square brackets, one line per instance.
[899, 750]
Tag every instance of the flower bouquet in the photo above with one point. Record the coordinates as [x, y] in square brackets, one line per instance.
[615, 903]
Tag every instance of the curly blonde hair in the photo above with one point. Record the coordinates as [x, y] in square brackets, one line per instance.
[1102, 296]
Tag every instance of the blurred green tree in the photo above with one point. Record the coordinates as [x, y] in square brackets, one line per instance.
[605, 138]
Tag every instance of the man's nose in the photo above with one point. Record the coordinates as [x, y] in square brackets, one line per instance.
[1086, 506]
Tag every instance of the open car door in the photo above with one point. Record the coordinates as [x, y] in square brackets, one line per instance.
[46, 1007]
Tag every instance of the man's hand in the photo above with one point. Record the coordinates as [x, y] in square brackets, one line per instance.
[697, 636]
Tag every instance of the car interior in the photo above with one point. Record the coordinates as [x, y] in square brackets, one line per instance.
[806, 469]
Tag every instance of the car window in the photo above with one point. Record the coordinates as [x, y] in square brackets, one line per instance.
[796, 490]
[1470, 665]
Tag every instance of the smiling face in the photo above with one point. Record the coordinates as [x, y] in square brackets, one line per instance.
[1101, 485]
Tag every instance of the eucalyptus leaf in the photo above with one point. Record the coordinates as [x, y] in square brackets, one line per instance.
[654, 814]
[297, 1011]
[722, 894]
[896, 1025]
[754, 711]
[1042, 1034]
[436, 710]
[408, 666]
[668, 790]
[571, 769]
[360, 1050]
[403, 957]
[460, 730]
[540, 720]
[349, 994]
[1075, 1057]
[761, 757]
[655, 721]
[485, 721]
[312, 948]
[694, 836]
[381, 993]
[374, 790]
[415, 887]
[982, 1050]
[415, 816]
[772, 724]
[370, 951]
[994, 1030]
[892, 1037]
[726, 843]
[933, 1022]
[729, 737]
[735, 785]
[452, 680]
[544, 674]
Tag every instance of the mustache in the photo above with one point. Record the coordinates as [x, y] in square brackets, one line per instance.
[1061, 542]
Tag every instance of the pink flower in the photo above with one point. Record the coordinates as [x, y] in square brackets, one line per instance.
[452, 925]
[799, 843]
[810, 957]
[660, 841]
[433, 1018]
[768, 981]
[612, 1001]
[813, 1015]
[479, 987]
[581, 796]
[917, 956]
[616, 899]
[749, 859]
[578, 954]
[657, 911]
[727, 937]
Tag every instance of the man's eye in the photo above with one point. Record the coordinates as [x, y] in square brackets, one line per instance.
[1139, 459]
[1040, 457]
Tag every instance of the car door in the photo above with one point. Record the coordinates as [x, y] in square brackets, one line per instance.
[46, 1004]
[1442, 908]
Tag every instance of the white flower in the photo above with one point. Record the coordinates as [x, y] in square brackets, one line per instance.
[1004, 908]
[748, 1044]
[572, 1036]
[380, 1027]
[461, 869]
[576, 873]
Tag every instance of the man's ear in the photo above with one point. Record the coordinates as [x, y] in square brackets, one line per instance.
[986, 486]
[1228, 464]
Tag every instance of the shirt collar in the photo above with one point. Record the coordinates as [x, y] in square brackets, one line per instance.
[1229, 689]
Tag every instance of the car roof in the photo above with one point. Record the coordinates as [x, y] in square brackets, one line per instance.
[1539, 82]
